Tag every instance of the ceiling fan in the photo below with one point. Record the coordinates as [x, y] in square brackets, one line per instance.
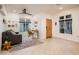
[24, 11]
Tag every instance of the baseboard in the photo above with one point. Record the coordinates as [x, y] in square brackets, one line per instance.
[65, 39]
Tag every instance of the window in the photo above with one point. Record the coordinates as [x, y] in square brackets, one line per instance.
[62, 26]
[66, 25]
[69, 26]
[68, 16]
[62, 17]
[24, 25]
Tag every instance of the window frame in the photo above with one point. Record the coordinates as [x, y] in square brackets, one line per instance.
[66, 20]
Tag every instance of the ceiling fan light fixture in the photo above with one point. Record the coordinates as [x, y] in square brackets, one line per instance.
[24, 11]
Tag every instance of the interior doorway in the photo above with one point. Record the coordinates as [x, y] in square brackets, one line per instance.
[48, 28]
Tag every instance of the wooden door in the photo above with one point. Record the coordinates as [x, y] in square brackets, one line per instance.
[48, 28]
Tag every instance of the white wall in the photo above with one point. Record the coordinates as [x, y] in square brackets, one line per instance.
[12, 19]
[75, 23]
[41, 25]
[2, 28]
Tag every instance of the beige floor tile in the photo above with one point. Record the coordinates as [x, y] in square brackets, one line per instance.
[54, 46]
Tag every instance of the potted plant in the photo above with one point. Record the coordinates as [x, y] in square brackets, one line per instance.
[7, 43]
[7, 39]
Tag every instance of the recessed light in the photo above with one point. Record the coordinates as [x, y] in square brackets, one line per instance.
[61, 8]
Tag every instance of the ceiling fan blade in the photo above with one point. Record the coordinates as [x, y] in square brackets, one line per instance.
[28, 13]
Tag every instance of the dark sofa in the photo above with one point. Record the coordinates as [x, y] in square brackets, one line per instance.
[13, 37]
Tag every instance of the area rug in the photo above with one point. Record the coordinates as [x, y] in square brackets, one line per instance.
[24, 45]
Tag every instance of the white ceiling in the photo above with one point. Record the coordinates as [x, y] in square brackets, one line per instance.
[39, 8]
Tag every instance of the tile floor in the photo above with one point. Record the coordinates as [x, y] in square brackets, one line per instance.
[54, 46]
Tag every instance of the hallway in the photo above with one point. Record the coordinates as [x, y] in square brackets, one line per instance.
[54, 46]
